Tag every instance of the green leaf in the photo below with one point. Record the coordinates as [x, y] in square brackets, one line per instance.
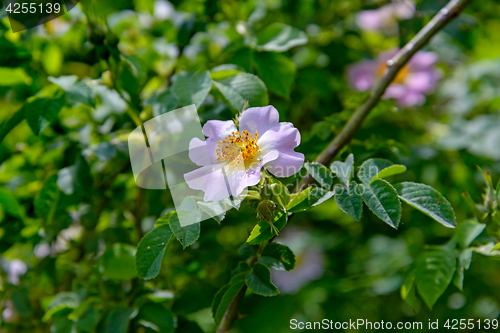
[434, 273]
[498, 191]
[320, 173]
[349, 200]
[377, 168]
[117, 263]
[215, 209]
[41, 111]
[428, 201]
[243, 267]
[76, 91]
[259, 281]
[47, 199]
[280, 194]
[382, 199]
[76, 178]
[225, 71]
[185, 235]
[279, 37]
[9, 203]
[163, 220]
[218, 298]
[82, 308]
[52, 59]
[238, 88]
[190, 88]
[165, 102]
[118, 320]
[227, 299]
[157, 317]
[408, 287]
[262, 231]
[496, 248]
[468, 231]
[88, 320]
[62, 325]
[395, 169]
[188, 212]
[310, 197]
[277, 71]
[150, 251]
[13, 77]
[61, 302]
[463, 263]
[343, 170]
[278, 257]
[21, 301]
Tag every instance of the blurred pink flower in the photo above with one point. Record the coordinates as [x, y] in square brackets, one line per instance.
[14, 269]
[10, 314]
[234, 153]
[386, 17]
[309, 265]
[417, 79]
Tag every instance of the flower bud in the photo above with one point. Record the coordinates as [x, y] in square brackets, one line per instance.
[266, 210]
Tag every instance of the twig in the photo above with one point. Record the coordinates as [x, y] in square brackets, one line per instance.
[394, 65]
[231, 315]
[438, 22]
[232, 312]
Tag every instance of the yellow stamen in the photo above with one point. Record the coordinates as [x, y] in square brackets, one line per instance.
[400, 77]
[238, 148]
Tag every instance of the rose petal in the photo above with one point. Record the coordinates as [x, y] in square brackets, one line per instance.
[375, 19]
[218, 129]
[383, 57]
[361, 75]
[423, 60]
[259, 119]
[395, 91]
[423, 81]
[412, 98]
[280, 136]
[310, 268]
[199, 152]
[209, 179]
[287, 164]
[403, 10]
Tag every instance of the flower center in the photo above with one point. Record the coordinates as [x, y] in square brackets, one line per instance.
[400, 77]
[238, 148]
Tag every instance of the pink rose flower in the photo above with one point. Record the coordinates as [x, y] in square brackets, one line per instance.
[386, 17]
[232, 156]
[309, 265]
[417, 79]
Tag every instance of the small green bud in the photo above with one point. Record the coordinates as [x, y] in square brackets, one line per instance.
[266, 210]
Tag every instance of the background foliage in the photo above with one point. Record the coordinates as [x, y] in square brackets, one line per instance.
[71, 216]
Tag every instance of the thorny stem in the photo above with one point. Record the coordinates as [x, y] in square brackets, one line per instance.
[394, 65]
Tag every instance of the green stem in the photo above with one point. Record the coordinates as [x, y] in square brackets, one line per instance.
[231, 315]
[394, 65]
